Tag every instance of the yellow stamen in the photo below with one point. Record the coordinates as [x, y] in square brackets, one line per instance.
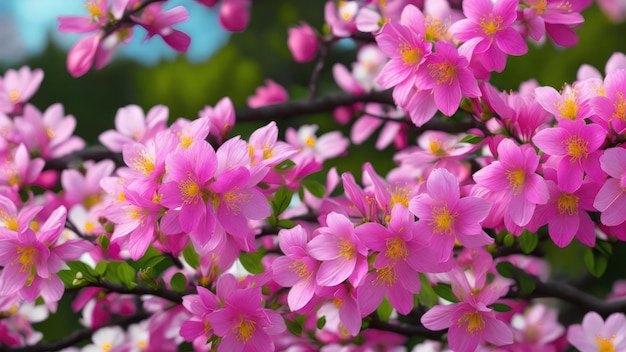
[310, 141]
[346, 249]
[605, 345]
[299, 267]
[491, 24]
[189, 190]
[620, 107]
[443, 73]
[576, 147]
[396, 249]
[568, 108]
[14, 96]
[244, 330]
[475, 323]
[568, 203]
[516, 180]
[386, 276]
[443, 221]
[410, 55]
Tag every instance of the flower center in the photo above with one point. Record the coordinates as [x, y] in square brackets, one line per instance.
[568, 203]
[491, 24]
[299, 267]
[396, 249]
[442, 220]
[410, 55]
[620, 107]
[568, 108]
[189, 190]
[475, 323]
[310, 141]
[443, 73]
[516, 180]
[576, 147]
[346, 249]
[386, 276]
[605, 345]
[14, 96]
[143, 163]
[244, 330]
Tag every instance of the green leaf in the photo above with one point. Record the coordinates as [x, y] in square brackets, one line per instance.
[101, 268]
[501, 307]
[316, 188]
[526, 283]
[282, 198]
[104, 242]
[285, 165]
[427, 296]
[191, 256]
[505, 269]
[178, 282]
[285, 223]
[87, 273]
[472, 139]
[321, 322]
[604, 247]
[384, 310]
[294, 327]
[596, 262]
[67, 276]
[121, 272]
[252, 261]
[528, 241]
[445, 291]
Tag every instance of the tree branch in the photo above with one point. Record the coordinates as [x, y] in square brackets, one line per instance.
[169, 295]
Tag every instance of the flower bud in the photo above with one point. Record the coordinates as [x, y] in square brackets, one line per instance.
[302, 42]
[81, 55]
[234, 15]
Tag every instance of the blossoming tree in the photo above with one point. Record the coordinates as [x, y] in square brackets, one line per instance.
[182, 235]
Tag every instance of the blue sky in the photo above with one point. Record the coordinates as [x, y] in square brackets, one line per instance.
[26, 25]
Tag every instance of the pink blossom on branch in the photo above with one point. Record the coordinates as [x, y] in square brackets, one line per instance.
[159, 22]
[488, 30]
[271, 93]
[302, 42]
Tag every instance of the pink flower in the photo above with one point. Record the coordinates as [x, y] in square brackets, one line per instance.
[566, 214]
[536, 328]
[321, 148]
[16, 87]
[447, 73]
[401, 255]
[574, 146]
[550, 16]
[234, 15]
[404, 43]
[221, 117]
[200, 305]
[243, 323]
[445, 217]
[48, 134]
[302, 42]
[342, 253]
[82, 54]
[596, 334]
[612, 197]
[297, 269]
[514, 173]
[190, 171]
[132, 126]
[271, 93]
[159, 22]
[20, 170]
[341, 19]
[488, 30]
[470, 321]
[569, 104]
[31, 260]
[610, 107]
